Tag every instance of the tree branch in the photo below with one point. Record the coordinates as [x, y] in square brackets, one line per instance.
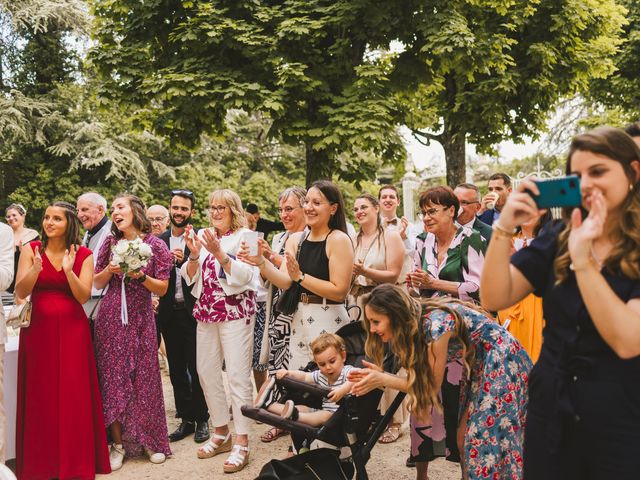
[427, 137]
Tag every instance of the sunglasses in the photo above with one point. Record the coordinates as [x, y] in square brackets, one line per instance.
[183, 193]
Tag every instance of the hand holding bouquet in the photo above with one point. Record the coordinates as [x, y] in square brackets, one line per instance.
[131, 256]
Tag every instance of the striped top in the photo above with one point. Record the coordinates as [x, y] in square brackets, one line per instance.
[321, 380]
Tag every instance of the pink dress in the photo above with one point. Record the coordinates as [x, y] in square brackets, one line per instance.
[127, 356]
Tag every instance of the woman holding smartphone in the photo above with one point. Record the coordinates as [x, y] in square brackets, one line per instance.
[583, 420]
[320, 260]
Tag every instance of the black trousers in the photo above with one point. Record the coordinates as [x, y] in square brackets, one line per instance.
[601, 441]
[179, 333]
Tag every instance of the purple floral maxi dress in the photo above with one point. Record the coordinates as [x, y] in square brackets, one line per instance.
[495, 396]
[127, 355]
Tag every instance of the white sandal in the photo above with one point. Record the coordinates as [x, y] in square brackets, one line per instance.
[236, 461]
[211, 449]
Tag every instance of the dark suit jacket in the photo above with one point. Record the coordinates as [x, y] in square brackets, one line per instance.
[484, 229]
[167, 300]
[267, 226]
[487, 217]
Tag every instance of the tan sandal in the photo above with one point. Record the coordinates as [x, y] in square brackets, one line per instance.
[211, 448]
[273, 434]
[237, 460]
[390, 435]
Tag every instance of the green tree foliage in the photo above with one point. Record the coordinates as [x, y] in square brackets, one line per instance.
[490, 70]
[469, 70]
[306, 63]
[245, 160]
[620, 92]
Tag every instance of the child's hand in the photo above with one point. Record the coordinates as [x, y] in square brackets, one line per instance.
[337, 394]
[280, 374]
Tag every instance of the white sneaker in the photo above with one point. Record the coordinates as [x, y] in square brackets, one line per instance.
[116, 456]
[155, 457]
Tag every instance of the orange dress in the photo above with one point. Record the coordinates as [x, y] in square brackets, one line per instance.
[525, 317]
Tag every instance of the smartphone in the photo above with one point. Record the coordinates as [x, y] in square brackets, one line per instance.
[558, 192]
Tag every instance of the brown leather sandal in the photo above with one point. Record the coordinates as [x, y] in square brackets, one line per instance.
[273, 434]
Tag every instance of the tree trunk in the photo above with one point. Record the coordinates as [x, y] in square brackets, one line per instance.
[453, 142]
[319, 165]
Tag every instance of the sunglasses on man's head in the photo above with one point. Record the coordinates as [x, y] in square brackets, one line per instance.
[184, 193]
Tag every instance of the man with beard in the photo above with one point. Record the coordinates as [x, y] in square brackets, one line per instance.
[92, 212]
[179, 327]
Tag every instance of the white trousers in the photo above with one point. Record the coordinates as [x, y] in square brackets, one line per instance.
[232, 342]
[389, 395]
[309, 321]
[3, 418]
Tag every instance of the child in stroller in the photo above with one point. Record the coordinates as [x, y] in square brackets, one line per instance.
[329, 354]
[356, 424]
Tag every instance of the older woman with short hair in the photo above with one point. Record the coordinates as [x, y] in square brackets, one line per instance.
[290, 208]
[225, 310]
[448, 262]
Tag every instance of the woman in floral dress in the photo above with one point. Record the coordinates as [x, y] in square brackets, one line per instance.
[494, 395]
[127, 352]
[448, 262]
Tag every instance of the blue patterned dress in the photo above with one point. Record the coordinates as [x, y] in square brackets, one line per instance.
[495, 396]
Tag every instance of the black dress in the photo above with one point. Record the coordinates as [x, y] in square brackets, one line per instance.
[16, 259]
[583, 420]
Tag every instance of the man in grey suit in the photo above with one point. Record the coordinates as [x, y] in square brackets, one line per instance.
[92, 212]
[469, 198]
[6, 277]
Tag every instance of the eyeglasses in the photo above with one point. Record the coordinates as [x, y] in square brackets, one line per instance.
[287, 210]
[217, 208]
[431, 212]
[183, 193]
[156, 219]
[314, 203]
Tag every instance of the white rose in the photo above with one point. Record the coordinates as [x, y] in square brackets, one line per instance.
[135, 264]
[121, 247]
[116, 259]
[145, 250]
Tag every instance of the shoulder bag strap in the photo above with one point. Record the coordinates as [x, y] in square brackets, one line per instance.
[93, 310]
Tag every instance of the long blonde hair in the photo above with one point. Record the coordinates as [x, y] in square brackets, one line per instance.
[625, 254]
[409, 341]
[233, 202]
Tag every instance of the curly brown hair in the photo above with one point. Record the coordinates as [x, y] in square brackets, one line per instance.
[625, 254]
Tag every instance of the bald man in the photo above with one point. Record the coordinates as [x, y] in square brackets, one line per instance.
[159, 218]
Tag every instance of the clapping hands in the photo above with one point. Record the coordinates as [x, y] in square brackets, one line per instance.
[68, 260]
[37, 260]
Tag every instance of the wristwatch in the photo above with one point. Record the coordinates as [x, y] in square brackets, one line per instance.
[301, 279]
[142, 278]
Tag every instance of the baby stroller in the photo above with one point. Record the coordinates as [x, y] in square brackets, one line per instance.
[356, 424]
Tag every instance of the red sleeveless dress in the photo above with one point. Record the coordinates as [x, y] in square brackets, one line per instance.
[59, 424]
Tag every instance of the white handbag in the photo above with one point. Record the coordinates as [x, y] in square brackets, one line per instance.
[20, 315]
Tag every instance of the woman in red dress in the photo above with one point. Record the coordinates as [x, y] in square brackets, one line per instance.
[60, 428]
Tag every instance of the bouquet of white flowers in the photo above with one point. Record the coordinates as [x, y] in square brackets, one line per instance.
[130, 256]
